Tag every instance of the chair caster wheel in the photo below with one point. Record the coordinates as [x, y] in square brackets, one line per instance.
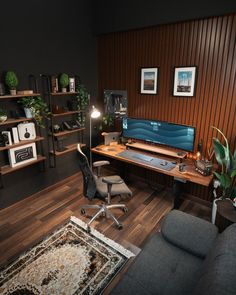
[125, 209]
[88, 229]
[120, 226]
[82, 211]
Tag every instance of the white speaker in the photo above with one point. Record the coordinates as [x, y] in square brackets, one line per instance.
[26, 131]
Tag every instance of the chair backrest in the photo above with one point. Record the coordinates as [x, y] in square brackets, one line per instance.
[89, 189]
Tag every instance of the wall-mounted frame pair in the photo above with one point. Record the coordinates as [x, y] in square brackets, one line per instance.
[149, 79]
[184, 81]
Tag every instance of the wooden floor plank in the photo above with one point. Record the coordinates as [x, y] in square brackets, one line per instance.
[27, 222]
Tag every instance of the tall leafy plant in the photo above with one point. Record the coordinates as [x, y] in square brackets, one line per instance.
[227, 163]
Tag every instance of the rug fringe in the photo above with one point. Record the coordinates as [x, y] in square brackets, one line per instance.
[97, 234]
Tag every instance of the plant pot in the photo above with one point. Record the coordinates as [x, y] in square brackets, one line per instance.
[63, 90]
[28, 113]
[3, 118]
[13, 91]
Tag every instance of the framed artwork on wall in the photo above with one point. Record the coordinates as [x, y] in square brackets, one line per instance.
[149, 77]
[184, 81]
[22, 154]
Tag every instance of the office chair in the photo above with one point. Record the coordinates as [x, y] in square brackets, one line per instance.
[96, 186]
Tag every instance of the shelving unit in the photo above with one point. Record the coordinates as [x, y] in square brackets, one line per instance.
[5, 168]
[60, 142]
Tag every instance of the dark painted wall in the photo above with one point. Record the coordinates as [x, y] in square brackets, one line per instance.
[45, 37]
[122, 15]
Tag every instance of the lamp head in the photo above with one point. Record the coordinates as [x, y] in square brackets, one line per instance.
[94, 113]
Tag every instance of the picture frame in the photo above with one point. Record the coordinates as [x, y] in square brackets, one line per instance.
[22, 154]
[184, 81]
[149, 79]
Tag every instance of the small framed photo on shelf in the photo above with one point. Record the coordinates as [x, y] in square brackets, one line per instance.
[22, 154]
[149, 78]
[184, 81]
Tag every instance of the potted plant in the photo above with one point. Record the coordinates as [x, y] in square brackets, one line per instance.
[11, 81]
[226, 177]
[35, 107]
[64, 81]
[3, 115]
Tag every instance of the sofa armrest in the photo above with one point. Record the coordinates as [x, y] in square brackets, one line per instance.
[188, 232]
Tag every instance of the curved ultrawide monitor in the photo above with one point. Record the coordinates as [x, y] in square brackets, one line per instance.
[169, 134]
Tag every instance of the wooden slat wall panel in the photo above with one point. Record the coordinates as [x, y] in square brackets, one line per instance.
[210, 44]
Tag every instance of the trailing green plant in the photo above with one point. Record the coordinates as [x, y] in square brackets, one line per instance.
[11, 80]
[227, 162]
[83, 95]
[38, 107]
[107, 121]
[3, 112]
[64, 80]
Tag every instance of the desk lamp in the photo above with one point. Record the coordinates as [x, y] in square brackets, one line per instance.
[94, 114]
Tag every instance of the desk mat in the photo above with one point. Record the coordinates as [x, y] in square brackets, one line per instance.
[145, 159]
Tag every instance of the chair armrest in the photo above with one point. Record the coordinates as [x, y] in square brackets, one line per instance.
[100, 163]
[189, 233]
[113, 179]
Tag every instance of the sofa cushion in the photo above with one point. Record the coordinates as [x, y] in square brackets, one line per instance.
[161, 268]
[218, 275]
[188, 232]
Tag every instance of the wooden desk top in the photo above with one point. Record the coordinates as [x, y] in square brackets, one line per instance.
[189, 175]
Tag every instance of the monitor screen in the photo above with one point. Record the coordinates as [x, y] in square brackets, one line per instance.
[173, 135]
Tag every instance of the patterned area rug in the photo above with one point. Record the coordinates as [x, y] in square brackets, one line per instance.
[69, 261]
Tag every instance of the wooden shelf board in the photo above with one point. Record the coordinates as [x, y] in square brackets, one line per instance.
[18, 95]
[63, 93]
[69, 148]
[66, 113]
[13, 121]
[22, 142]
[62, 133]
[8, 169]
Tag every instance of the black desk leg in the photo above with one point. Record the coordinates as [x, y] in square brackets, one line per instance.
[177, 191]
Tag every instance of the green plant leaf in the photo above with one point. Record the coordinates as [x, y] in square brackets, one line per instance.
[233, 173]
[225, 181]
[233, 193]
[226, 159]
[218, 175]
[219, 151]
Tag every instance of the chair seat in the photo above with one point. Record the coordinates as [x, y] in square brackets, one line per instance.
[116, 189]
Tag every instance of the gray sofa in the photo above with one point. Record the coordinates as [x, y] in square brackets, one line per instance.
[188, 256]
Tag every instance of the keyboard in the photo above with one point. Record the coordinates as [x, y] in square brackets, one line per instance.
[152, 161]
[143, 157]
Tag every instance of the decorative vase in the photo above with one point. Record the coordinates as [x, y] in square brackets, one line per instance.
[13, 91]
[63, 90]
[28, 113]
[3, 119]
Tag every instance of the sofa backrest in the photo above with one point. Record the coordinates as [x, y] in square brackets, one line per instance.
[189, 233]
[219, 269]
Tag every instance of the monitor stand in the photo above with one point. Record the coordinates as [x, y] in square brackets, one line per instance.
[159, 150]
